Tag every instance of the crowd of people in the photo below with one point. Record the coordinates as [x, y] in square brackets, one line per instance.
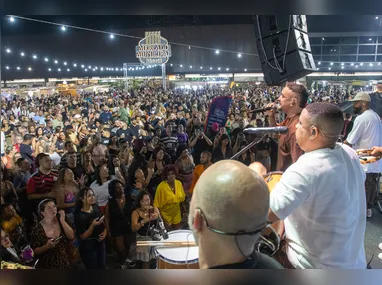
[89, 175]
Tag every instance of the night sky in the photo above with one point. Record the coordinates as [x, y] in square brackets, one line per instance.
[73, 45]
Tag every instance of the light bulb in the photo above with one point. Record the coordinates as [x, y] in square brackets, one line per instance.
[46, 59]
[239, 55]
[63, 28]
[11, 19]
[217, 51]
[22, 54]
[111, 36]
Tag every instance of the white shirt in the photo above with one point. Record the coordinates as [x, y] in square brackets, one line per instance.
[102, 192]
[366, 133]
[2, 142]
[321, 199]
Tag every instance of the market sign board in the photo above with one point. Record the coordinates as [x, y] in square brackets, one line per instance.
[153, 49]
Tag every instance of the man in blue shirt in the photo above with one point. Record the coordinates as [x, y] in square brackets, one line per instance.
[105, 115]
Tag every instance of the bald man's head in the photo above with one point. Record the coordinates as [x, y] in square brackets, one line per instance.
[232, 197]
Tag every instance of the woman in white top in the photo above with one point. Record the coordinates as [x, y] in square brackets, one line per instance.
[50, 148]
[100, 186]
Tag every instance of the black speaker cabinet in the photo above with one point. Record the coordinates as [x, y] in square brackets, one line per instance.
[283, 47]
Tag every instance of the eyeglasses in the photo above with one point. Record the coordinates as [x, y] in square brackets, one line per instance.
[239, 233]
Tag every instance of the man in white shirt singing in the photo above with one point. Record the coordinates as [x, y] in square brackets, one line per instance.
[366, 133]
[321, 197]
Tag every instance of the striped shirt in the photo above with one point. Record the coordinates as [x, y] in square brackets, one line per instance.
[170, 143]
[40, 183]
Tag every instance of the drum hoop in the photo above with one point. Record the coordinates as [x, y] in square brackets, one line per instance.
[273, 172]
[165, 259]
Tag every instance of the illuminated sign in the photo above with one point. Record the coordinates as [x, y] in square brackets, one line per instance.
[153, 49]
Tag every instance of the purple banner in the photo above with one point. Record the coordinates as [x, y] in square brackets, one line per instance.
[218, 111]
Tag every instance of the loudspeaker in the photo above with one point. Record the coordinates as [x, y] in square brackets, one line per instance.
[283, 47]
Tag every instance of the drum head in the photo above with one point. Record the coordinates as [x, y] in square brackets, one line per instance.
[179, 255]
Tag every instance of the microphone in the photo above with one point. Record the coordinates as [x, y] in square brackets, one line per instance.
[263, 109]
[267, 130]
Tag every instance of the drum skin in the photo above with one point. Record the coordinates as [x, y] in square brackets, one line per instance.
[176, 258]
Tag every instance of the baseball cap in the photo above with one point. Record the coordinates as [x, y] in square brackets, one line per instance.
[361, 96]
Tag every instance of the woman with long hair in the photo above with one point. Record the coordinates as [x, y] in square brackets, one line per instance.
[185, 167]
[115, 168]
[66, 189]
[50, 148]
[246, 157]
[49, 237]
[98, 151]
[90, 230]
[142, 219]
[101, 185]
[159, 160]
[118, 222]
[8, 191]
[89, 167]
[223, 151]
[170, 197]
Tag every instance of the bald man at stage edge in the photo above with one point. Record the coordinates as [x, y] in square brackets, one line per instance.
[228, 211]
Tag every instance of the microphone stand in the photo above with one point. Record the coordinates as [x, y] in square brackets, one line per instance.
[247, 147]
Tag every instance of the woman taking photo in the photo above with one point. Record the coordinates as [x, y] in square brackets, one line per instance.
[118, 222]
[115, 168]
[142, 219]
[169, 197]
[50, 237]
[90, 230]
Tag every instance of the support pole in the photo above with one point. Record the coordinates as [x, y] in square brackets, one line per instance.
[164, 77]
[126, 81]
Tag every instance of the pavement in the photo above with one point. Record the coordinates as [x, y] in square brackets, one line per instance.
[373, 237]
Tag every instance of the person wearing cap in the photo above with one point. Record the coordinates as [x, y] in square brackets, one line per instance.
[366, 133]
